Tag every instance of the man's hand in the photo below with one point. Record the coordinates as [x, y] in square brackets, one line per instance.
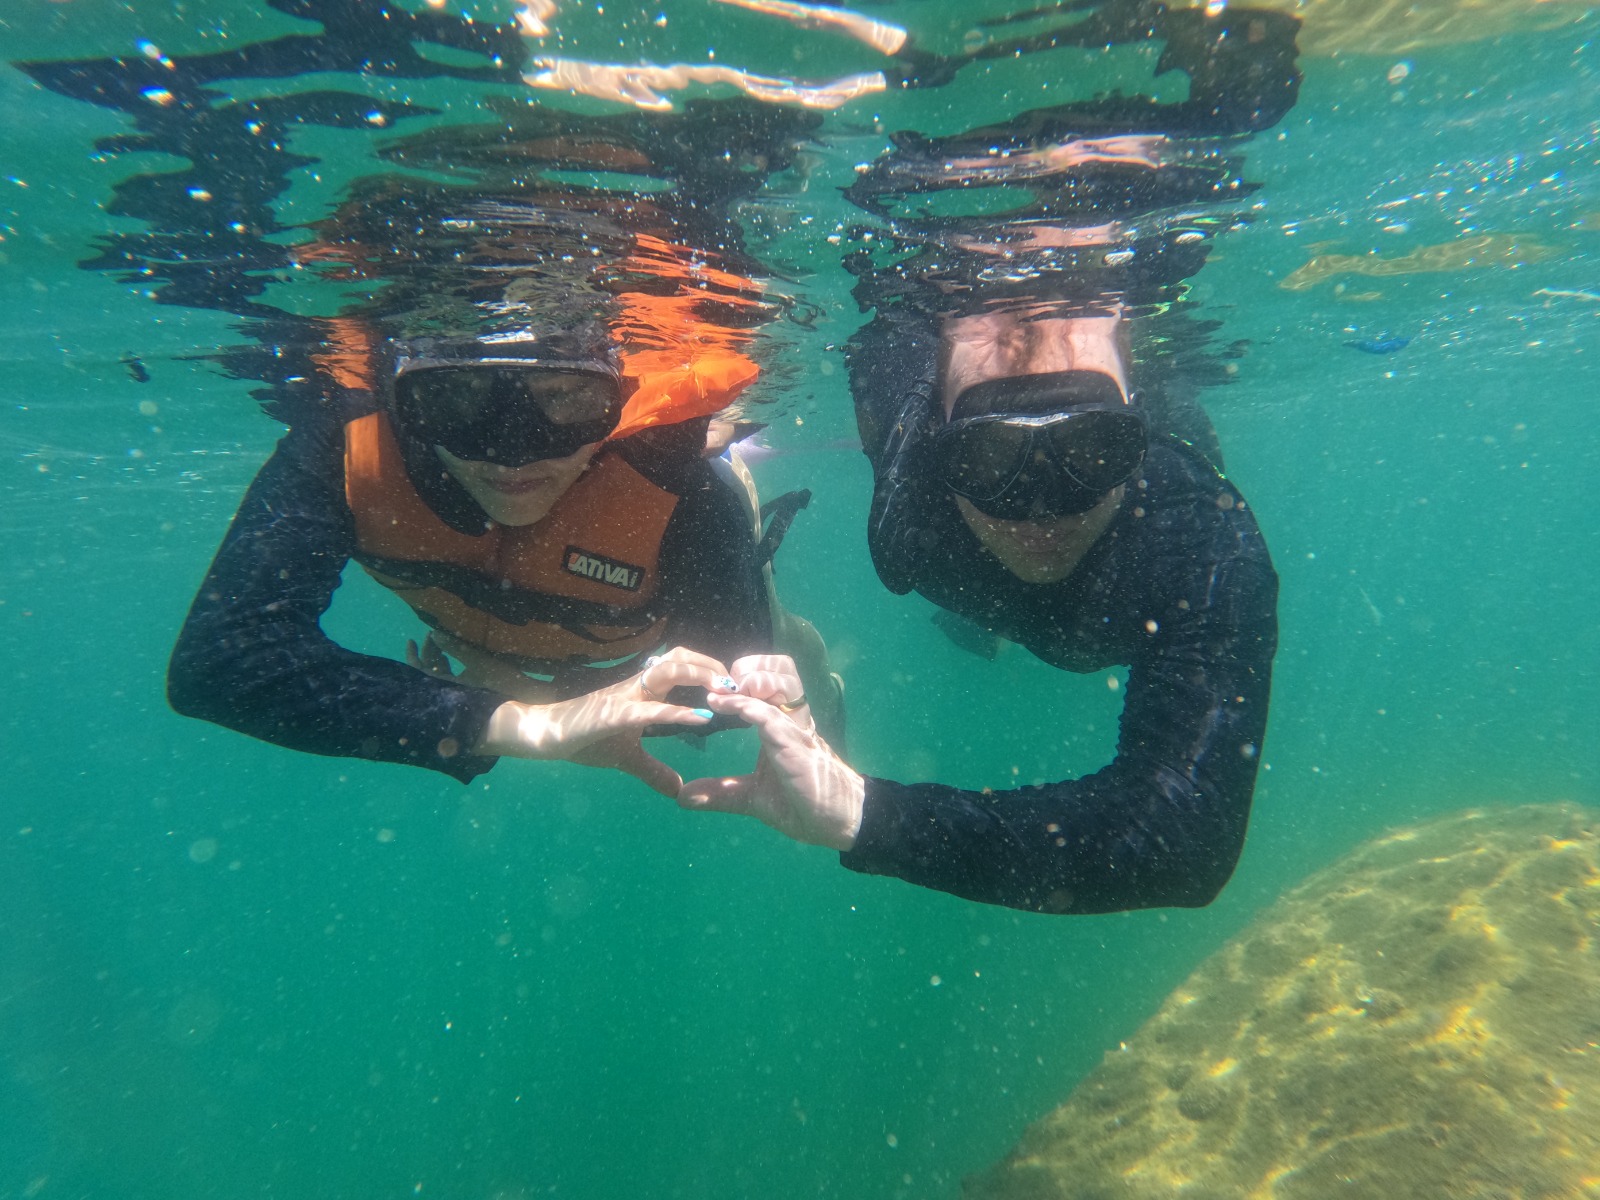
[800, 786]
[603, 728]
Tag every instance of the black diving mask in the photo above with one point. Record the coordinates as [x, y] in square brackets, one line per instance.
[1039, 445]
[510, 414]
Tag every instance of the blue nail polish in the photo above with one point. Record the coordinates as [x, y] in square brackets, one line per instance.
[703, 712]
[726, 682]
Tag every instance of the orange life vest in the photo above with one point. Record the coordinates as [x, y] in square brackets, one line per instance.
[577, 586]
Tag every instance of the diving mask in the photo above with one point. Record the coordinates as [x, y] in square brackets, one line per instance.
[508, 412]
[1033, 446]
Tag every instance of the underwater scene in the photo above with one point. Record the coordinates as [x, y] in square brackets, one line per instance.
[1150, 443]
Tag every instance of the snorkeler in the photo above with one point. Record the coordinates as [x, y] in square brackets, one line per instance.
[540, 510]
[1025, 497]
[506, 425]
[1037, 492]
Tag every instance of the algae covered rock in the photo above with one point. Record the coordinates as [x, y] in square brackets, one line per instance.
[1330, 28]
[1420, 1021]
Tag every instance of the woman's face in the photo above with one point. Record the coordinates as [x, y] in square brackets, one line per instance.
[517, 495]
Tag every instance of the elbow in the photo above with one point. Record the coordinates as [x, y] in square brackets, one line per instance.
[1177, 886]
[1138, 881]
[1186, 866]
[1199, 888]
[1193, 843]
[185, 693]
[1198, 877]
[194, 687]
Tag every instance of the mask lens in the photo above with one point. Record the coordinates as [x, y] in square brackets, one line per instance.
[980, 458]
[1098, 449]
[1018, 468]
[572, 398]
[508, 415]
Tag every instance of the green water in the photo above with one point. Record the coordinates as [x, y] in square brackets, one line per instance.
[229, 970]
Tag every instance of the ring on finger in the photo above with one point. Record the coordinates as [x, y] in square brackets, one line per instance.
[790, 706]
[644, 688]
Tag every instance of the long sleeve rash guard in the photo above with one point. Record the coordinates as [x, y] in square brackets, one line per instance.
[252, 655]
[1180, 589]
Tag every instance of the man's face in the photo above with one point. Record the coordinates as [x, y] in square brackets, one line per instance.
[1005, 344]
[1045, 550]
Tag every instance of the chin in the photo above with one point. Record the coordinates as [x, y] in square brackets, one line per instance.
[522, 509]
[522, 514]
[1033, 570]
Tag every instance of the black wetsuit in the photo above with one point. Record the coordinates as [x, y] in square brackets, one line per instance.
[1181, 590]
[252, 655]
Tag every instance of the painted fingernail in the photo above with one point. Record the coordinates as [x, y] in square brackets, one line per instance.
[703, 712]
[727, 683]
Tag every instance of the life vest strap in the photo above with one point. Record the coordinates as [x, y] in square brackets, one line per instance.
[782, 511]
[514, 605]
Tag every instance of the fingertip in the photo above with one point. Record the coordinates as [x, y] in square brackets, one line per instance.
[697, 793]
[656, 776]
[706, 792]
[675, 714]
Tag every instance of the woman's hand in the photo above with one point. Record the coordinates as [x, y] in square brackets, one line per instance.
[602, 729]
[800, 786]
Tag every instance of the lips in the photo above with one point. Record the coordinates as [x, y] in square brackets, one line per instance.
[516, 485]
[1035, 546]
[1029, 536]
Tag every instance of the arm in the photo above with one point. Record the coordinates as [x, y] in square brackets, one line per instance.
[1162, 825]
[252, 655]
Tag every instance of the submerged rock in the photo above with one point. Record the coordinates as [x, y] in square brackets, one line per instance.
[1420, 1020]
[1330, 28]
